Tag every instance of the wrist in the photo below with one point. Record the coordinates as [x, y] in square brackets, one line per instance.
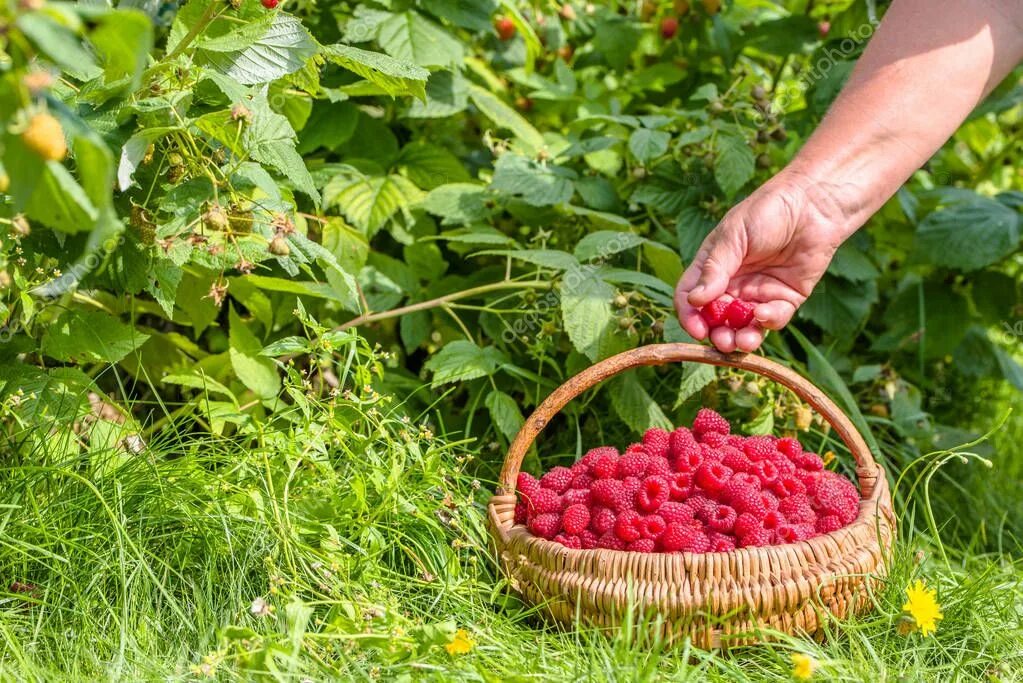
[834, 209]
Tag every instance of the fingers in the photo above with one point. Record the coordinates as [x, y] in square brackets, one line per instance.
[716, 268]
[774, 315]
[688, 314]
[749, 339]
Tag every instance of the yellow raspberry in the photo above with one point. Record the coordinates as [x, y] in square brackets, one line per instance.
[45, 137]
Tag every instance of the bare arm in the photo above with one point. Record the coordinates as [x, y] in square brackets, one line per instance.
[929, 64]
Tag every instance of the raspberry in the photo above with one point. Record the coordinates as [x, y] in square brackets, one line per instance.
[653, 526]
[609, 493]
[773, 520]
[797, 509]
[606, 466]
[720, 543]
[722, 519]
[658, 466]
[790, 447]
[630, 485]
[827, 524]
[627, 526]
[769, 500]
[611, 542]
[676, 513]
[582, 481]
[701, 506]
[714, 440]
[577, 497]
[746, 523]
[545, 525]
[713, 476]
[669, 27]
[569, 541]
[632, 464]
[657, 442]
[594, 454]
[652, 493]
[768, 472]
[505, 28]
[736, 460]
[739, 483]
[681, 442]
[783, 464]
[793, 533]
[714, 313]
[739, 314]
[521, 512]
[575, 518]
[810, 462]
[44, 136]
[527, 484]
[558, 479]
[636, 448]
[643, 545]
[587, 539]
[788, 485]
[749, 500]
[680, 485]
[689, 462]
[602, 520]
[544, 501]
[710, 453]
[834, 494]
[735, 441]
[709, 421]
[687, 538]
[759, 448]
[757, 537]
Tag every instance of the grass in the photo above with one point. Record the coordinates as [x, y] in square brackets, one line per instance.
[363, 534]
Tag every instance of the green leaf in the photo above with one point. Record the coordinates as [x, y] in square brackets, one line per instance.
[852, 264]
[458, 203]
[90, 337]
[462, 360]
[447, 93]
[507, 118]
[734, 163]
[586, 310]
[471, 14]
[928, 317]
[123, 40]
[605, 243]
[411, 37]
[695, 377]
[839, 306]
[369, 202]
[330, 125]
[270, 139]
[634, 405]
[430, 166]
[615, 40]
[534, 183]
[646, 144]
[257, 372]
[392, 76]
[505, 413]
[165, 276]
[692, 227]
[969, 235]
[281, 50]
[60, 44]
[547, 258]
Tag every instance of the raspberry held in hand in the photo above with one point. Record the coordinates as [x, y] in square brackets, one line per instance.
[735, 314]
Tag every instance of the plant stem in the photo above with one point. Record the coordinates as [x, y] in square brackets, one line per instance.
[442, 301]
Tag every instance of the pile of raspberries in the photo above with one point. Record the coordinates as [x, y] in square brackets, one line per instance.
[699, 490]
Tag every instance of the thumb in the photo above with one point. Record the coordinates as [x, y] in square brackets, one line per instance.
[719, 266]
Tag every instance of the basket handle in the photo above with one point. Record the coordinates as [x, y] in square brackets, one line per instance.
[661, 354]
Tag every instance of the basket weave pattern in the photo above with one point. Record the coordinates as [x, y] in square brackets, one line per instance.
[717, 599]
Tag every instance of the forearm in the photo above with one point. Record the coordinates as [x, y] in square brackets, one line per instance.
[926, 68]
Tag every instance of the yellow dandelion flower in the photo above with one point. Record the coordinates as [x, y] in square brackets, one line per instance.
[922, 605]
[803, 666]
[461, 644]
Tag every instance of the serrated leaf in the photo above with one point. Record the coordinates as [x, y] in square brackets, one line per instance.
[270, 139]
[507, 118]
[123, 40]
[90, 337]
[447, 93]
[471, 14]
[430, 166]
[695, 377]
[458, 203]
[634, 405]
[257, 372]
[281, 50]
[60, 44]
[369, 202]
[547, 258]
[505, 414]
[534, 183]
[462, 360]
[411, 37]
[586, 310]
[852, 264]
[391, 75]
[646, 144]
[969, 235]
[605, 243]
[839, 306]
[734, 163]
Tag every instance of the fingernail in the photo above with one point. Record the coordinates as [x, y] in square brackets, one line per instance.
[697, 290]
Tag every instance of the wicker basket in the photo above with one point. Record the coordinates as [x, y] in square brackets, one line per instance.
[716, 599]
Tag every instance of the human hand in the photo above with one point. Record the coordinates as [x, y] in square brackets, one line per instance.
[771, 249]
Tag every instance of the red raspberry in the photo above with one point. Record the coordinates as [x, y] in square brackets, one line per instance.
[722, 519]
[658, 466]
[768, 473]
[714, 440]
[769, 500]
[827, 524]
[629, 487]
[606, 466]
[710, 453]
[739, 314]
[602, 520]
[689, 462]
[627, 526]
[545, 525]
[632, 464]
[746, 523]
[582, 481]
[270, 4]
[611, 542]
[505, 28]
[587, 539]
[657, 442]
[527, 485]
[676, 513]
[708, 421]
[788, 485]
[652, 493]
[544, 501]
[740, 482]
[653, 526]
[749, 500]
[669, 27]
[610, 493]
[569, 541]
[720, 543]
[687, 538]
[680, 485]
[790, 447]
[734, 459]
[579, 469]
[797, 509]
[701, 506]
[558, 479]
[714, 313]
[681, 441]
[577, 497]
[636, 448]
[784, 465]
[834, 494]
[521, 512]
[773, 520]
[793, 533]
[755, 538]
[575, 519]
[713, 476]
[643, 545]
[594, 454]
[759, 448]
[810, 462]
